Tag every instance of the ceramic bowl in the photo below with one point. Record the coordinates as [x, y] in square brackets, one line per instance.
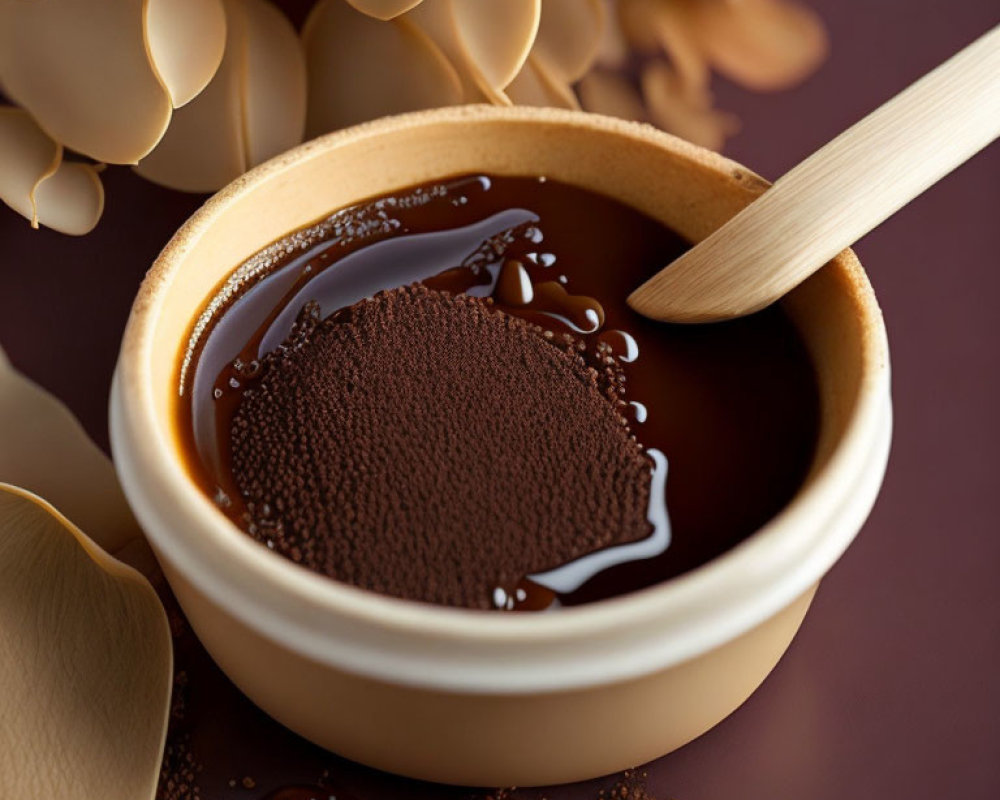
[483, 698]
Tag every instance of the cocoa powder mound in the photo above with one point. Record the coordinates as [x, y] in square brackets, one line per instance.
[428, 446]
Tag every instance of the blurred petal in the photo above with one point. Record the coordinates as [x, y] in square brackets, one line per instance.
[43, 449]
[673, 109]
[27, 155]
[185, 40]
[71, 199]
[360, 69]
[634, 17]
[569, 34]
[252, 109]
[434, 18]
[85, 663]
[612, 94]
[82, 70]
[763, 44]
[535, 86]
[496, 36]
[676, 30]
[612, 50]
[667, 25]
[383, 9]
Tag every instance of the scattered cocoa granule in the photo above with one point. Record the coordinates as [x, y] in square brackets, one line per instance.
[428, 446]
[178, 771]
[631, 786]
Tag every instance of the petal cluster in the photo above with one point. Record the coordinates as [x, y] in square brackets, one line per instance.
[762, 44]
[369, 58]
[196, 92]
[252, 108]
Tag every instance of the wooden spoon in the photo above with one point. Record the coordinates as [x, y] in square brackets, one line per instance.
[837, 195]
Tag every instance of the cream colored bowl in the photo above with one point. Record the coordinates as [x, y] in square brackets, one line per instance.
[472, 697]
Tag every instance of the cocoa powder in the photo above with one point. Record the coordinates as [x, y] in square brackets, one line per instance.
[428, 446]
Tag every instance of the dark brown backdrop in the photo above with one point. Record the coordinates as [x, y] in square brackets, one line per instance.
[890, 689]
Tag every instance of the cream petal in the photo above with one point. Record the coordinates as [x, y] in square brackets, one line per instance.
[612, 94]
[676, 31]
[27, 155]
[569, 35]
[360, 68]
[434, 18]
[252, 108]
[204, 149]
[85, 663]
[672, 108]
[535, 86]
[383, 9]
[274, 83]
[634, 16]
[44, 450]
[496, 37]
[81, 69]
[70, 200]
[763, 44]
[662, 25]
[185, 41]
[613, 49]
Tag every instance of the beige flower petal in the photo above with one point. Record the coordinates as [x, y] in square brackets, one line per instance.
[383, 9]
[85, 663]
[252, 108]
[496, 37]
[434, 18]
[612, 94]
[672, 108]
[71, 200]
[613, 49]
[569, 35]
[763, 44]
[27, 155]
[360, 68]
[677, 32]
[634, 17]
[44, 450]
[81, 69]
[185, 40]
[274, 82]
[659, 25]
[204, 149]
[535, 86]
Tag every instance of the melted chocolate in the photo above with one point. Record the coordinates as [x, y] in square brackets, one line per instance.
[732, 408]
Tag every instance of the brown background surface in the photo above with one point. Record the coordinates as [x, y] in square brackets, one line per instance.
[891, 688]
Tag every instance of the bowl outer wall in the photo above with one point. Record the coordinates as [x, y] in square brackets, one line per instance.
[455, 649]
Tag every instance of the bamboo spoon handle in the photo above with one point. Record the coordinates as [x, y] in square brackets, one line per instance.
[836, 195]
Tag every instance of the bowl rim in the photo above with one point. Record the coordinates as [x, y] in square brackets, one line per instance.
[438, 647]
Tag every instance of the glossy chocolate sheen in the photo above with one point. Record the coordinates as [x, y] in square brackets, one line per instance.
[731, 408]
